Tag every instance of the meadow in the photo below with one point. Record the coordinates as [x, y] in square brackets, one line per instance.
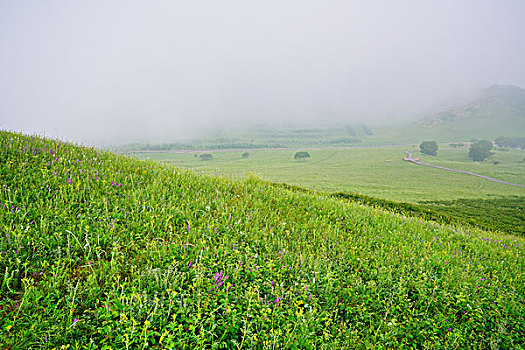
[377, 171]
[100, 251]
[377, 176]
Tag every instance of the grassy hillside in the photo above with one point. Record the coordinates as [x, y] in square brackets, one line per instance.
[379, 176]
[500, 110]
[100, 251]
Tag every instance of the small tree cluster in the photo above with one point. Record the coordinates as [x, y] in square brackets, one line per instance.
[480, 150]
[511, 142]
[429, 147]
[206, 156]
[456, 145]
[301, 155]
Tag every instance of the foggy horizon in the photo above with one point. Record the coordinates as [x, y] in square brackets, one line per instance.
[113, 71]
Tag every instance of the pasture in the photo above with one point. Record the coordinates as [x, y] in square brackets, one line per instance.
[378, 172]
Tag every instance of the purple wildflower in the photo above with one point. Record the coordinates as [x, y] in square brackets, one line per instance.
[222, 282]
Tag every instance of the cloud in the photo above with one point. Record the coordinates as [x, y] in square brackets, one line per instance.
[107, 70]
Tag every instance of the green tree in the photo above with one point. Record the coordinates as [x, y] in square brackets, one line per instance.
[480, 150]
[206, 156]
[301, 155]
[429, 147]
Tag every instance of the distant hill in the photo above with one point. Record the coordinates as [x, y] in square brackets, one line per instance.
[500, 110]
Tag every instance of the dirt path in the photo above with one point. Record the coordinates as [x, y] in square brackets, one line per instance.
[416, 161]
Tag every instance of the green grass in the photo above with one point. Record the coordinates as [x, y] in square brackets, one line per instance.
[379, 176]
[101, 251]
[505, 214]
[377, 172]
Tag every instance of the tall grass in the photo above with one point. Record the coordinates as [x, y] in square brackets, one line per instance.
[99, 251]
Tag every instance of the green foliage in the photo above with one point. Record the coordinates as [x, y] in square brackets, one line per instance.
[429, 147]
[245, 155]
[457, 145]
[408, 209]
[511, 142]
[102, 251]
[367, 130]
[378, 172]
[351, 131]
[505, 214]
[206, 156]
[345, 140]
[480, 150]
[301, 155]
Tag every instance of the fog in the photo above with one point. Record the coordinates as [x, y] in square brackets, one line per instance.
[107, 71]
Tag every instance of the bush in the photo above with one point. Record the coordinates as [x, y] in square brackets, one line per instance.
[206, 156]
[480, 150]
[301, 155]
[245, 155]
[510, 142]
[456, 145]
[429, 147]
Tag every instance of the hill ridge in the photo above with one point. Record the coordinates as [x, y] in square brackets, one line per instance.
[503, 102]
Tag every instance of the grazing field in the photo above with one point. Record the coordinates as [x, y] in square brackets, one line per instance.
[100, 251]
[376, 172]
[380, 172]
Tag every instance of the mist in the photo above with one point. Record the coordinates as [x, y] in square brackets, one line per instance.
[108, 71]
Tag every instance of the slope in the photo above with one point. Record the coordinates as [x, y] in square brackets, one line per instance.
[101, 251]
[500, 110]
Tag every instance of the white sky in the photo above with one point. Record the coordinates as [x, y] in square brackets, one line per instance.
[104, 70]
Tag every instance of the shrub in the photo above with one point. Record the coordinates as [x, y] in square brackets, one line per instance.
[301, 155]
[206, 156]
[245, 155]
[456, 145]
